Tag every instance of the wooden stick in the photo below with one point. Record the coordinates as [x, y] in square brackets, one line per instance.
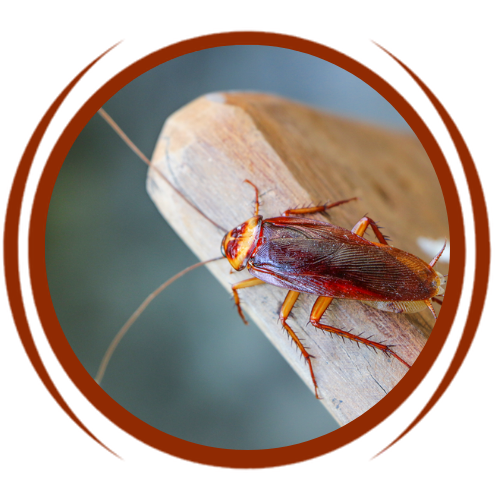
[298, 156]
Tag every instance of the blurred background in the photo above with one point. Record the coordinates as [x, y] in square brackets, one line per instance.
[189, 366]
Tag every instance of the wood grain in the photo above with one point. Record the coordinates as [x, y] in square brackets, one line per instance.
[298, 156]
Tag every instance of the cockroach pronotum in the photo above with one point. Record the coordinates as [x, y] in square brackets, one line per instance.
[318, 258]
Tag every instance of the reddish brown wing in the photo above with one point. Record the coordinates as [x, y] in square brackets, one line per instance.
[322, 259]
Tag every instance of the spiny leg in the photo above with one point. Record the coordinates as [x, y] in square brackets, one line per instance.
[238, 286]
[433, 262]
[428, 303]
[289, 302]
[319, 308]
[362, 226]
[319, 208]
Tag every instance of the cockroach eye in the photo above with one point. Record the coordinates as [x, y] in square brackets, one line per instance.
[222, 249]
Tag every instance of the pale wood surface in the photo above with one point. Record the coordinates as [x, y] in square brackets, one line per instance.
[298, 156]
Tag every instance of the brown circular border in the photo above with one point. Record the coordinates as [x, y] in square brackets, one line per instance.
[55, 335]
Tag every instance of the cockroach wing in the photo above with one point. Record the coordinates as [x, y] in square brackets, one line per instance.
[322, 259]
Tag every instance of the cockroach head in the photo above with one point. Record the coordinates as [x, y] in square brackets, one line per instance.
[238, 244]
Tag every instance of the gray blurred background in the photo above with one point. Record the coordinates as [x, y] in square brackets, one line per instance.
[189, 366]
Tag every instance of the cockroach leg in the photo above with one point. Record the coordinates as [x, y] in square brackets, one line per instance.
[319, 308]
[312, 210]
[287, 306]
[439, 301]
[428, 303]
[362, 226]
[238, 286]
[433, 262]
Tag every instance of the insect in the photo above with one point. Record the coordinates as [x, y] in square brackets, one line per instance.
[319, 258]
[309, 256]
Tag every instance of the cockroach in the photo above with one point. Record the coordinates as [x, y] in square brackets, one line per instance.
[310, 256]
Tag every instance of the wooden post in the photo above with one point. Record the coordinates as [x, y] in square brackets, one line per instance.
[298, 156]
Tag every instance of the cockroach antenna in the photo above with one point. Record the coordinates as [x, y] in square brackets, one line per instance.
[143, 157]
[118, 337]
[126, 327]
